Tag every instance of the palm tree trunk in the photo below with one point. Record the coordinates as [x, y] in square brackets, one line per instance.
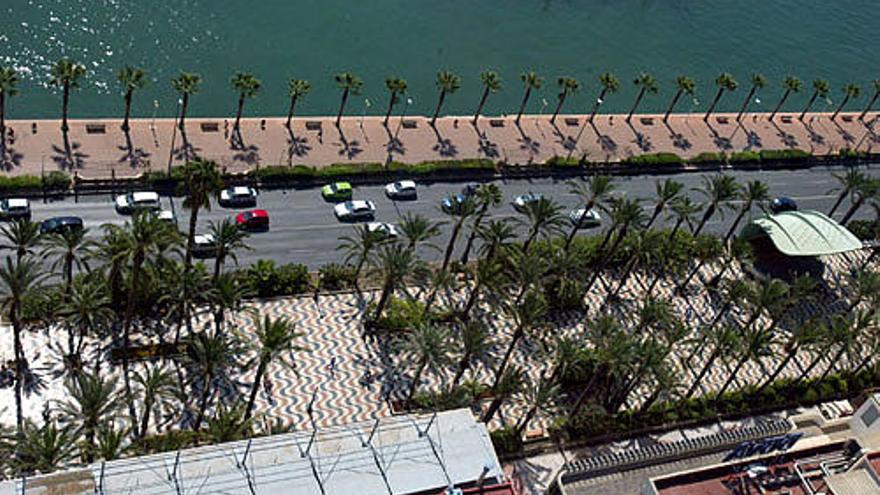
[390, 107]
[258, 380]
[621, 235]
[815, 362]
[732, 376]
[437, 109]
[672, 105]
[183, 107]
[838, 202]
[746, 102]
[472, 299]
[852, 210]
[522, 105]
[525, 419]
[127, 110]
[417, 377]
[465, 256]
[482, 103]
[779, 105]
[839, 108]
[2, 121]
[714, 103]
[290, 111]
[65, 99]
[126, 334]
[706, 216]
[809, 104]
[494, 406]
[387, 289]
[861, 117]
[596, 104]
[499, 372]
[237, 125]
[701, 375]
[218, 264]
[561, 98]
[463, 366]
[636, 104]
[19, 368]
[145, 419]
[342, 106]
[776, 372]
[451, 245]
[836, 359]
[203, 401]
[739, 217]
[191, 234]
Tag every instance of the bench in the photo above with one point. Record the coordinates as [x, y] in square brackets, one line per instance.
[572, 122]
[722, 120]
[313, 125]
[647, 121]
[496, 123]
[786, 119]
[410, 124]
[96, 129]
[209, 127]
[847, 118]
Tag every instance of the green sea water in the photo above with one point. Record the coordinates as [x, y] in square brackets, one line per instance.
[313, 39]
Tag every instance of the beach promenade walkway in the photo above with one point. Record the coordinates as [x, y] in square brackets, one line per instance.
[99, 149]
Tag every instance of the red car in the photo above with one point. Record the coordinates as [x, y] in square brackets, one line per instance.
[253, 219]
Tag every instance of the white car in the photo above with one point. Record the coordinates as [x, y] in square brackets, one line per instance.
[401, 190]
[238, 196]
[15, 208]
[137, 201]
[353, 211]
[204, 246]
[521, 201]
[583, 219]
[167, 216]
[388, 231]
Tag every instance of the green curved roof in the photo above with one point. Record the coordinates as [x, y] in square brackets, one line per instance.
[803, 233]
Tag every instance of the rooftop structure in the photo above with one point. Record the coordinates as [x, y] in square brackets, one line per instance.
[404, 455]
[803, 233]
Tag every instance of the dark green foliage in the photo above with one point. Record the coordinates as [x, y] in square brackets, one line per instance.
[506, 440]
[400, 314]
[709, 157]
[655, 159]
[865, 230]
[53, 181]
[782, 155]
[335, 276]
[266, 279]
[744, 157]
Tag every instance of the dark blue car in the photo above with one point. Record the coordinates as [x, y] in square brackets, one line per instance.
[781, 204]
[451, 205]
[56, 225]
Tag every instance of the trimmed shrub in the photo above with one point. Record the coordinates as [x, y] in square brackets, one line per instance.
[783, 155]
[335, 276]
[744, 157]
[506, 440]
[655, 159]
[55, 180]
[400, 314]
[266, 279]
[562, 162]
[709, 157]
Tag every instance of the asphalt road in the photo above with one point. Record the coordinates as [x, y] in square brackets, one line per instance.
[304, 230]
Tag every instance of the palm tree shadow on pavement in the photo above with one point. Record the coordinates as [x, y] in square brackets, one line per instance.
[816, 138]
[348, 148]
[847, 137]
[678, 139]
[527, 144]
[605, 141]
[9, 158]
[641, 140]
[444, 147]
[394, 144]
[297, 146]
[134, 156]
[788, 140]
[69, 157]
[186, 151]
[721, 142]
[486, 147]
[566, 141]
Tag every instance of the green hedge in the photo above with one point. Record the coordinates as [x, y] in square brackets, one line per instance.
[562, 162]
[279, 173]
[401, 313]
[865, 230]
[782, 155]
[709, 157]
[334, 276]
[53, 181]
[744, 157]
[266, 279]
[655, 159]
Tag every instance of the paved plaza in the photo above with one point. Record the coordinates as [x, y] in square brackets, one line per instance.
[99, 149]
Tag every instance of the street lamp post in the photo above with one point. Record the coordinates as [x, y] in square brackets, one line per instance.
[174, 134]
[409, 101]
[153, 123]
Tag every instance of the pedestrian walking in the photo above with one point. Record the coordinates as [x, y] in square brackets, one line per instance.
[321, 135]
[332, 367]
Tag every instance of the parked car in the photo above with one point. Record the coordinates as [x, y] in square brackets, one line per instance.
[15, 209]
[781, 204]
[253, 220]
[56, 225]
[238, 197]
[469, 189]
[387, 230]
[452, 204]
[204, 246]
[352, 211]
[583, 219]
[337, 191]
[127, 204]
[167, 216]
[401, 190]
[521, 201]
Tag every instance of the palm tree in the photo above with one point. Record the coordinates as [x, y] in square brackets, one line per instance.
[595, 192]
[495, 236]
[228, 294]
[725, 82]
[531, 81]
[719, 191]
[683, 85]
[418, 229]
[131, 79]
[756, 342]
[429, 348]
[297, 89]
[228, 424]
[8, 82]
[510, 384]
[465, 208]
[397, 265]
[852, 179]
[821, 88]
[396, 86]
[567, 85]
[213, 356]
[755, 192]
[275, 341]
[476, 346]
[541, 218]
[229, 238]
[86, 310]
[44, 449]
[850, 91]
[541, 395]
[791, 84]
[19, 281]
[487, 274]
[863, 192]
[487, 196]
[610, 84]
[875, 83]
[202, 179]
[360, 247]
[247, 86]
[724, 341]
[349, 84]
[526, 314]
[66, 75]
[626, 214]
[158, 386]
[758, 82]
[646, 84]
[185, 84]
[70, 250]
[668, 192]
[448, 83]
[491, 84]
[92, 400]
[21, 236]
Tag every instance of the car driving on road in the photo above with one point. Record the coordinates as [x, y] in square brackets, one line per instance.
[452, 204]
[56, 225]
[15, 209]
[523, 200]
[337, 191]
[401, 190]
[583, 219]
[385, 230]
[781, 204]
[352, 211]
[238, 197]
[127, 204]
[253, 220]
[204, 246]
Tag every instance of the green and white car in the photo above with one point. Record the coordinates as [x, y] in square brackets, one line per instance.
[337, 191]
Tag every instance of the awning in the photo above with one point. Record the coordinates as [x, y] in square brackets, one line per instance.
[803, 233]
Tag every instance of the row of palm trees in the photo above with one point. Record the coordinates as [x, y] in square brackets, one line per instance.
[67, 75]
[531, 270]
